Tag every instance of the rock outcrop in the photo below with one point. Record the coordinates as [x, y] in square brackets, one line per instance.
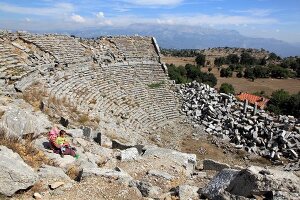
[15, 174]
[20, 119]
[265, 182]
[253, 182]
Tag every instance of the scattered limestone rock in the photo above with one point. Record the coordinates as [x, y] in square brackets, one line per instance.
[129, 154]
[160, 174]
[247, 127]
[148, 190]
[120, 175]
[209, 164]
[216, 187]
[37, 195]
[187, 192]
[14, 172]
[56, 185]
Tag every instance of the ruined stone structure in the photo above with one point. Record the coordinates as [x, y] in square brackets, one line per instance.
[246, 126]
[113, 97]
[110, 80]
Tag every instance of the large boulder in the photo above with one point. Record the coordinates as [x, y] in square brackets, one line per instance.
[51, 174]
[15, 174]
[188, 161]
[216, 187]
[20, 121]
[259, 181]
[116, 174]
[129, 154]
[209, 164]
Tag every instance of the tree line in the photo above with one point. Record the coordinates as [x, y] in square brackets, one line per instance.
[189, 73]
[245, 65]
[250, 67]
[180, 52]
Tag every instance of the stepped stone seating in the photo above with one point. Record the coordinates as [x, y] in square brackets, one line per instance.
[120, 49]
[11, 65]
[65, 49]
[132, 47]
[115, 78]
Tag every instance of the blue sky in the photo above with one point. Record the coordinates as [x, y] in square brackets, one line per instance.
[257, 18]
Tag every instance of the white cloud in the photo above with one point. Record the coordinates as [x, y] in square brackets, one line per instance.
[201, 19]
[56, 9]
[100, 15]
[154, 2]
[77, 18]
[255, 12]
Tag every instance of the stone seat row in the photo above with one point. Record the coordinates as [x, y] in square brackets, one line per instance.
[108, 106]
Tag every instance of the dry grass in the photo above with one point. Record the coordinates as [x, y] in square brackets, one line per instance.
[179, 60]
[83, 118]
[73, 172]
[179, 180]
[38, 187]
[102, 161]
[34, 95]
[1, 113]
[32, 156]
[241, 84]
[93, 101]
[268, 85]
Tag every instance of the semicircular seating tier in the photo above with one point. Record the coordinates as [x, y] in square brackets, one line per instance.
[118, 78]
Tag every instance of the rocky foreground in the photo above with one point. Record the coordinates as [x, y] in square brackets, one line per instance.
[110, 169]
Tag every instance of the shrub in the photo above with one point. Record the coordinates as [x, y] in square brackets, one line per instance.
[247, 59]
[32, 156]
[179, 74]
[226, 72]
[239, 74]
[248, 73]
[156, 85]
[219, 61]
[200, 60]
[278, 102]
[278, 72]
[232, 59]
[189, 73]
[227, 88]
[210, 79]
[83, 118]
[261, 72]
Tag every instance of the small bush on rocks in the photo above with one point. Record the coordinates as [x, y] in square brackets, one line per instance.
[32, 156]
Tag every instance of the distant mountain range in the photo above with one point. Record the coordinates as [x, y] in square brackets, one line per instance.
[186, 37]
